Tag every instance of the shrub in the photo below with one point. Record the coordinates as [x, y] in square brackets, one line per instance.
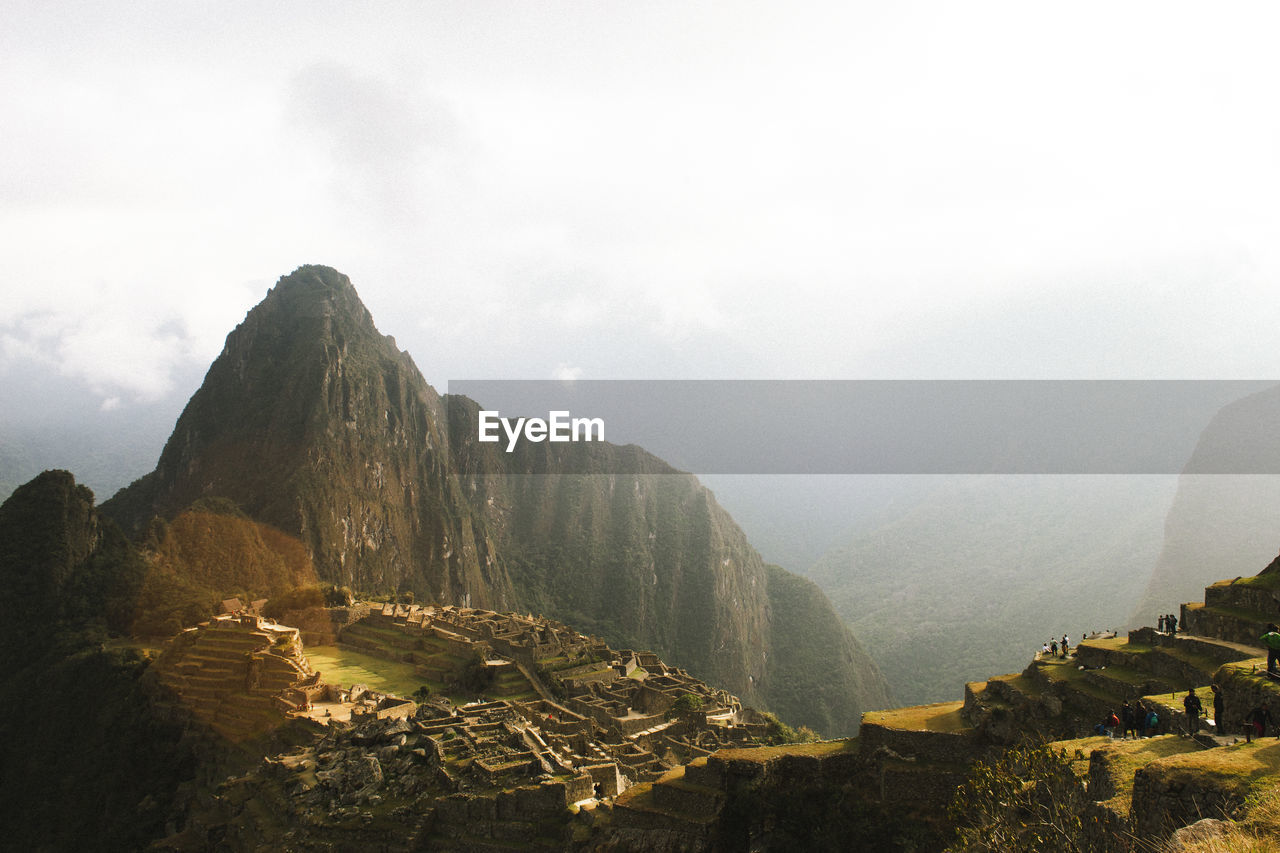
[1028, 799]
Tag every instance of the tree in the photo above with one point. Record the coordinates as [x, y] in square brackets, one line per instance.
[338, 596]
[685, 703]
[1029, 799]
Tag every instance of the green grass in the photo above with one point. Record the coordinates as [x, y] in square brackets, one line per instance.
[1125, 757]
[344, 667]
[1066, 672]
[938, 717]
[1268, 581]
[1238, 613]
[1119, 644]
[821, 749]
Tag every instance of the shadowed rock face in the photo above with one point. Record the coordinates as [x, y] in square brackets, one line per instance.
[316, 424]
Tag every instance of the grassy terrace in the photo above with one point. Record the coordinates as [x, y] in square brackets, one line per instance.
[938, 717]
[1271, 581]
[1240, 764]
[762, 754]
[1065, 672]
[1020, 683]
[1123, 758]
[1203, 662]
[1127, 675]
[1121, 644]
[1118, 644]
[1237, 613]
[393, 637]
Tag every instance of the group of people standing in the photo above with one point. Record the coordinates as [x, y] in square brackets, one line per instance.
[1143, 721]
[1057, 648]
[1137, 718]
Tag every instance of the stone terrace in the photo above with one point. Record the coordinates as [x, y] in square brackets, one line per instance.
[239, 674]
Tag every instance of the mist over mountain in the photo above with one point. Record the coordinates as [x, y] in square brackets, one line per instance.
[971, 578]
[50, 421]
[1221, 525]
[312, 422]
[994, 562]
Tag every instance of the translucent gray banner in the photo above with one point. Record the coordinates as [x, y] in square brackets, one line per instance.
[868, 427]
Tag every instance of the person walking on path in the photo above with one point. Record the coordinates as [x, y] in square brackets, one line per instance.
[1191, 703]
[1217, 707]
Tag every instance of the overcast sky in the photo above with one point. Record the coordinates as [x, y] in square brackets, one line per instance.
[647, 189]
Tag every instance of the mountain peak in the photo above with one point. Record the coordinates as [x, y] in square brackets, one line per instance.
[317, 290]
[313, 305]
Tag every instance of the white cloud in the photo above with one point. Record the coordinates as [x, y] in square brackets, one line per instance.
[668, 188]
[566, 372]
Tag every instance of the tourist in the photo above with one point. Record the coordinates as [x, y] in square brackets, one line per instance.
[1191, 703]
[1257, 720]
[1173, 624]
[1127, 719]
[1217, 707]
[1140, 720]
[1271, 640]
[1065, 646]
[1054, 647]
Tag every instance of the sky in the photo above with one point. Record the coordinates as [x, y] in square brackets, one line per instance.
[645, 190]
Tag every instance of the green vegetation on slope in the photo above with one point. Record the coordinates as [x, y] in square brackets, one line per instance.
[89, 763]
[973, 580]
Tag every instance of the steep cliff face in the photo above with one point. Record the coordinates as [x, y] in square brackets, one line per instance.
[645, 557]
[313, 422]
[1221, 525]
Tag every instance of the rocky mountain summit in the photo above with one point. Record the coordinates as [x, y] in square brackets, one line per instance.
[312, 422]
